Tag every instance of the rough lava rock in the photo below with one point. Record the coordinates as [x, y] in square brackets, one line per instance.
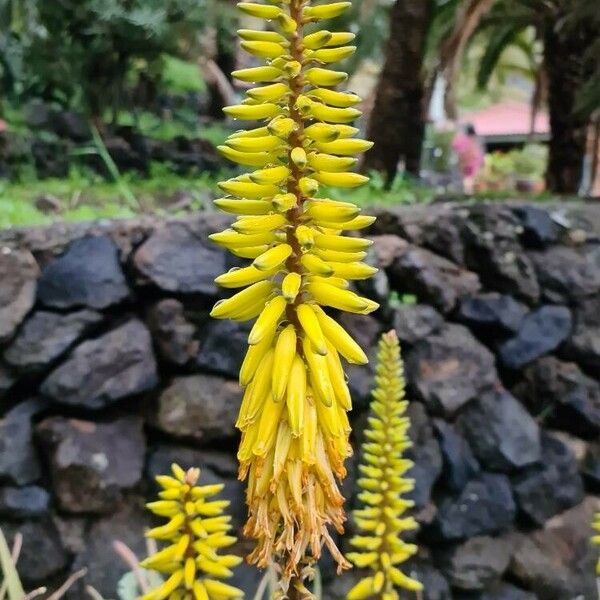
[449, 368]
[42, 554]
[19, 463]
[174, 334]
[492, 314]
[485, 506]
[493, 250]
[222, 347]
[101, 371]
[559, 389]
[18, 275]
[200, 407]
[557, 562]
[584, 344]
[104, 566]
[544, 490]
[476, 563]
[541, 332]
[92, 463]
[163, 456]
[501, 432]
[436, 586]
[460, 465]
[87, 274]
[497, 591]
[45, 336]
[179, 258]
[425, 453]
[539, 229]
[414, 322]
[568, 275]
[432, 278]
[590, 467]
[23, 502]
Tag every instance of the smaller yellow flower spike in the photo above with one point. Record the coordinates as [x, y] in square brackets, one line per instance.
[195, 531]
[596, 538]
[379, 545]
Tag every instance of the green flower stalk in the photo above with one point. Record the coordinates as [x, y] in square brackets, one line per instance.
[379, 545]
[293, 415]
[197, 529]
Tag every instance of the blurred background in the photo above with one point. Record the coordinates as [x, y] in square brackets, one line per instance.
[112, 108]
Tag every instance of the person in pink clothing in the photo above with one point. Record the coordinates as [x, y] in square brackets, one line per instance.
[468, 148]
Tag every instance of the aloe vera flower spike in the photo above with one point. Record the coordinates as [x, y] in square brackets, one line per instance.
[293, 415]
[196, 530]
[381, 521]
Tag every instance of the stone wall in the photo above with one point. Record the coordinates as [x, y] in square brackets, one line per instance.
[111, 369]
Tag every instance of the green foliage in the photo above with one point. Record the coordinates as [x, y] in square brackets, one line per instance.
[80, 52]
[181, 76]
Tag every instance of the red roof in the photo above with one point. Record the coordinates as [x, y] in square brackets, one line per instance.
[507, 118]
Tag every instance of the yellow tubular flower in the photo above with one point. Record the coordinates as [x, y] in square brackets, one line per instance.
[596, 538]
[379, 545]
[293, 415]
[195, 531]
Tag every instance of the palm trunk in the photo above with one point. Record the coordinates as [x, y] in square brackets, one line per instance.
[563, 51]
[397, 123]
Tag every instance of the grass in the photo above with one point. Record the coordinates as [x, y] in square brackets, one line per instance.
[85, 196]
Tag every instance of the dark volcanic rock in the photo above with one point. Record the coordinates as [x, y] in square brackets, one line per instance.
[492, 314]
[222, 462]
[360, 380]
[432, 278]
[460, 465]
[413, 322]
[42, 555]
[544, 490]
[200, 407]
[180, 259]
[364, 329]
[559, 389]
[584, 344]
[105, 567]
[174, 335]
[449, 368]
[91, 463]
[443, 234]
[476, 563]
[18, 273]
[558, 561]
[539, 230]
[87, 274]
[501, 432]
[7, 380]
[591, 467]
[103, 370]
[497, 591]
[23, 503]
[19, 462]
[46, 335]
[568, 274]
[485, 506]
[223, 345]
[493, 251]
[436, 586]
[541, 332]
[425, 453]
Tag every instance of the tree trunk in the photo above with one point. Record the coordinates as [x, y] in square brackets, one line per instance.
[397, 122]
[563, 56]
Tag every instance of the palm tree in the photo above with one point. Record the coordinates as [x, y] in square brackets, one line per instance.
[569, 31]
[397, 123]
